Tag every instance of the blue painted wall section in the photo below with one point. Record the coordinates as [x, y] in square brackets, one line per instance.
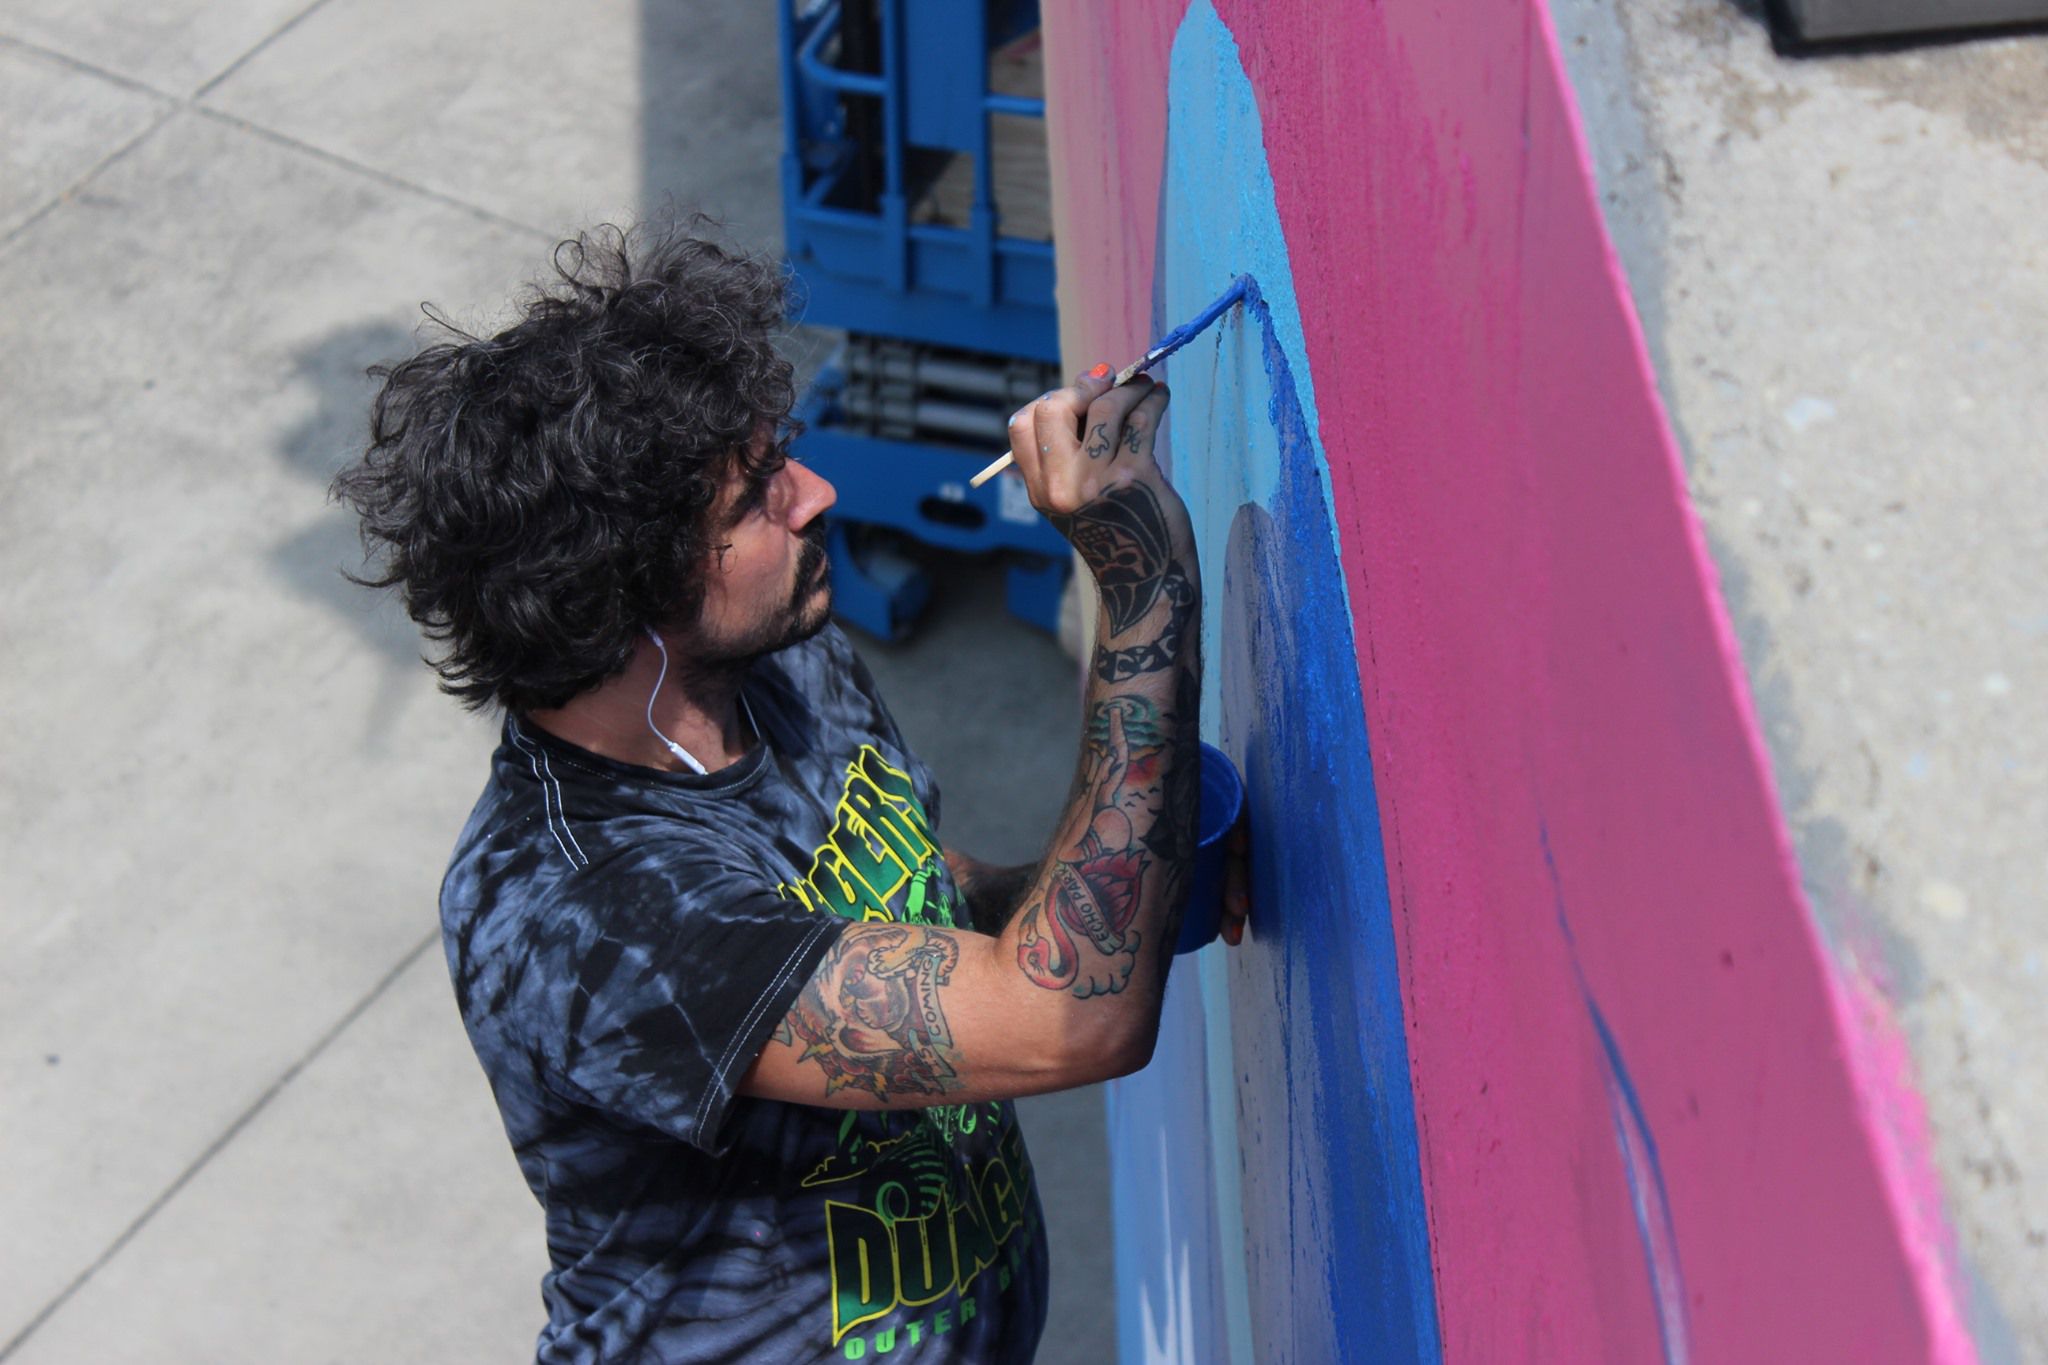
[1308, 1242]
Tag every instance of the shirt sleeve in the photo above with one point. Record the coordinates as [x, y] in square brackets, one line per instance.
[670, 978]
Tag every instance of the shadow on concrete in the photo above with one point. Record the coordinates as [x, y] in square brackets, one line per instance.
[716, 155]
[312, 562]
[1839, 877]
[730, 168]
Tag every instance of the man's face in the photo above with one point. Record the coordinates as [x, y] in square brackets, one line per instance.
[768, 584]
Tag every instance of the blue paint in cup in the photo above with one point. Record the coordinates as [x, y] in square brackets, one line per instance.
[1222, 799]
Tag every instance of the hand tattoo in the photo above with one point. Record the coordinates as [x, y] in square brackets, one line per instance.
[1099, 443]
[871, 1016]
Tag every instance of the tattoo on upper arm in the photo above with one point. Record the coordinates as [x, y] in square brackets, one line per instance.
[871, 1016]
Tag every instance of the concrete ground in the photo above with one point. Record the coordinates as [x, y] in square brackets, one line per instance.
[1842, 274]
[241, 1119]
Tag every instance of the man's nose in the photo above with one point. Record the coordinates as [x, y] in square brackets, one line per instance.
[814, 494]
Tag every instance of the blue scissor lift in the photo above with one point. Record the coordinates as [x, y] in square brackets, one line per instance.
[913, 192]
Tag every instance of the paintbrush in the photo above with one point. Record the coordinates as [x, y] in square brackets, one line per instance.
[1166, 346]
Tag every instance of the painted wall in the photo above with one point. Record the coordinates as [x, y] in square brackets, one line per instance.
[1881, 543]
[1533, 1052]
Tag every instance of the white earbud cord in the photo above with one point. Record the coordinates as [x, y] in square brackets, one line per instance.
[678, 750]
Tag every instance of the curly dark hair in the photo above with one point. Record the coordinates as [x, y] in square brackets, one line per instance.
[540, 496]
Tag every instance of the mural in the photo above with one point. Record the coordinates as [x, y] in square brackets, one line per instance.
[1533, 1051]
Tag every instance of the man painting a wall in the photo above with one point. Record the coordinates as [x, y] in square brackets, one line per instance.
[752, 1030]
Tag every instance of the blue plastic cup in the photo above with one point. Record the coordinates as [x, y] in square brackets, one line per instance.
[1222, 799]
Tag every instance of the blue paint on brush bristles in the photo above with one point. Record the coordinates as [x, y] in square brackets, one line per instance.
[1241, 288]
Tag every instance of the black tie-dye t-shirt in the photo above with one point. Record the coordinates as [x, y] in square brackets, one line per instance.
[623, 941]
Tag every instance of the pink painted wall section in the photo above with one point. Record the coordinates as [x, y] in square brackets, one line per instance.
[1106, 123]
[1607, 969]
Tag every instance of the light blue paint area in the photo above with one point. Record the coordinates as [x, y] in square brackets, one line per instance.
[1645, 1174]
[1171, 1300]
[1303, 1096]
[1218, 220]
[1225, 1185]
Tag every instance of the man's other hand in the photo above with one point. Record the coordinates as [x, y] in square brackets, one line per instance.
[1237, 879]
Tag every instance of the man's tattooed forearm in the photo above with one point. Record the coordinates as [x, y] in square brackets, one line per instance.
[1163, 651]
[871, 1016]
[1126, 836]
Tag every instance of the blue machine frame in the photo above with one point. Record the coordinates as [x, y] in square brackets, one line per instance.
[867, 268]
[876, 271]
[920, 488]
